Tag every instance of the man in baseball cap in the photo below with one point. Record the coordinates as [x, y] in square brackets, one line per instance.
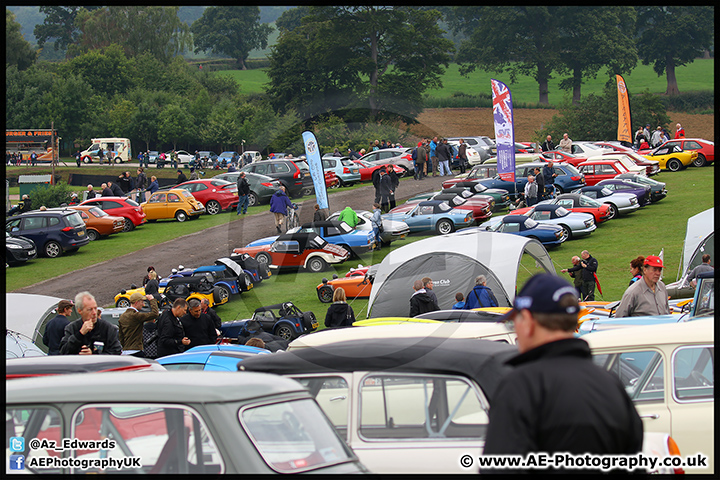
[646, 297]
[556, 399]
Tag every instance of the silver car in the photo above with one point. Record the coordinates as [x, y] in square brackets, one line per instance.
[392, 229]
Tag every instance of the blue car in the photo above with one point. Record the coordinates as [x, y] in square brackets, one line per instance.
[211, 357]
[643, 192]
[522, 225]
[434, 215]
[232, 281]
[347, 171]
[568, 178]
[354, 241]
[282, 319]
[227, 157]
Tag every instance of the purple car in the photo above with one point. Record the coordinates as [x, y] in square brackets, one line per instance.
[626, 186]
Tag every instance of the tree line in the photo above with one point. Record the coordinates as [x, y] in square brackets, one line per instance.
[123, 76]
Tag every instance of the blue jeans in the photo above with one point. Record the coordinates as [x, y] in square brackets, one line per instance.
[376, 232]
[444, 167]
[243, 204]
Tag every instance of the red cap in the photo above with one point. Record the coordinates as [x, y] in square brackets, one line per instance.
[654, 261]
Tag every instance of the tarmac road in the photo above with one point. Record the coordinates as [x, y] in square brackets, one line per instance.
[104, 280]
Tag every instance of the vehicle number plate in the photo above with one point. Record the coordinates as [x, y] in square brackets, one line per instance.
[81, 233]
[315, 325]
[402, 236]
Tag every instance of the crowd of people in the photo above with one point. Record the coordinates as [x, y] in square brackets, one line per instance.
[434, 157]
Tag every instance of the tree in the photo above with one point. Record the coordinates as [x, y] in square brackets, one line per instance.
[144, 123]
[671, 37]
[585, 48]
[223, 126]
[176, 125]
[18, 51]
[59, 24]
[292, 18]
[231, 30]
[518, 39]
[108, 70]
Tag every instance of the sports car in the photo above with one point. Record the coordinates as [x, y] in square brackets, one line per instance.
[500, 196]
[433, 215]
[671, 157]
[367, 169]
[98, 222]
[652, 167]
[704, 148]
[596, 170]
[568, 177]
[294, 250]
[285, 320]
[628, 186]
[181, 287]
[618, 202]
[392, 229]
[211, 357]
[560, 156]
[574, 224]
[481, 205]
[355, 286]
[575, 202]
[547, 234]
[658, 190]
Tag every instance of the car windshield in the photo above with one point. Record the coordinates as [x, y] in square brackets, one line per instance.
[444, 207]
[605, 192]
[345, 228]
[561, 212]
[586, 201]
[75, 220]
[132, 203]
[98, 212]
[457, 200]
[317, 242]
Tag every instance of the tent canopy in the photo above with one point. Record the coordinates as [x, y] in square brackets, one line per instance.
[453, 262]
[699, 228]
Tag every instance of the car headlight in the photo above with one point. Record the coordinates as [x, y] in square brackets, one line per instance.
[633, 201]
[13, 246]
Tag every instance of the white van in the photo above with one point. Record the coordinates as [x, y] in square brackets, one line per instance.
[114, 149]
[250, 156]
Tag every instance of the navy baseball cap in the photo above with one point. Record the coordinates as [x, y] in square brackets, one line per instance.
[542, 293]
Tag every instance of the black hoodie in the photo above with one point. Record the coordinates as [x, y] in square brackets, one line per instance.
[340, 314]
[422, 303]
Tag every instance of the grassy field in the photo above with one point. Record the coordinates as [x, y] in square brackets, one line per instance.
[698, 75]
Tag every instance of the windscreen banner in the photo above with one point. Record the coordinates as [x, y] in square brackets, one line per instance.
[312, 153]
[504, 130]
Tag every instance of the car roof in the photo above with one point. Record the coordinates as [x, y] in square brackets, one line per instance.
[481, 360]
[171, 386]
[114, 199]
[694, 331]
[514, 218]
[431, 202]
[324, 223]
[62, 364]
[595, 160]
[547, 207]
[56, 210]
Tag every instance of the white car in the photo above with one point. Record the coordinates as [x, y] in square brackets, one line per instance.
[473, 157]
[183, 156]
[619, 202]
[588, 149]
[625, 160]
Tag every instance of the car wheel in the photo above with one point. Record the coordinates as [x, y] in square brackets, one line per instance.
[213, 207]
[612, 211]
[674, 165]
[285, 332]
[558, 190]
[253, 199]
[122, 303]
[93, 235]
[444, 227]
[129, 225]
[263, 258]
[325, 294]
[181, 216]
[567, 234]
[306, 192]
[53, 249]
[339, 184]
[316, 265]
[118, 160]
[224, 293]
[700, 161]
[86, 159]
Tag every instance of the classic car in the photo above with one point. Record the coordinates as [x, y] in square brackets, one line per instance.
[705, 149]
[257, 271]
[561, 156]
[434, 215]
[652, 167]
[392, 229]
[522, 225]
[618, 202]
[124, 207]
[627, 161]
[231, 279]
[53, 231]
[66, 364]
[294, 250]
[616, 146]
[366, 169]
[574, 224]
[481, 206]
[462, 192]
[175, 203]
[345, 169]
[98, 222]
[658, 190]
[500, 196]
[478, 172]
[671, 157]
[18, 249]
[18, 345]
[355, 286]
[575, 202]
[668, 371]
[643, 192]
[181, 287]
[216, 194]
[222, 358]
[205, 423]
[568, 178]
[588, 149]
[596, 170]
[262, 187]
[282, 319]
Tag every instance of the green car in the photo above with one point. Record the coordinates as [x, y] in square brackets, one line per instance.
[262, 187]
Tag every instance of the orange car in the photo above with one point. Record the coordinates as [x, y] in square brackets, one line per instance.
[97, 222]
[355, 286]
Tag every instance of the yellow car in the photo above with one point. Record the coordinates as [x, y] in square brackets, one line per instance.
[174, 203]
[181, 287]
[672, 157]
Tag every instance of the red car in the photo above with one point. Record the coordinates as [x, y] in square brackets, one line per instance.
[215, 194]
[331, 180]
[560, 156]
[705, 149]
[120, 207]
[596, 170]
[295, 250]
[367, 169]
[652, 167]
[575, 202]
[615, 147]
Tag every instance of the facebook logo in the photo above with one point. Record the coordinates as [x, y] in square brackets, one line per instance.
[17, 462]
[17, 444]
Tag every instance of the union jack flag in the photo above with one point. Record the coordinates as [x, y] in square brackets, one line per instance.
[502, 103]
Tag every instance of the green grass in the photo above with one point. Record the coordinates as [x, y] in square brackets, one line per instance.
[698, 75]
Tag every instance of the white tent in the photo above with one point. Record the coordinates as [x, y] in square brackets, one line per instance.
[453, 261]
[699, 228]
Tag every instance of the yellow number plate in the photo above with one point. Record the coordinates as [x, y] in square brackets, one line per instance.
[315, 325]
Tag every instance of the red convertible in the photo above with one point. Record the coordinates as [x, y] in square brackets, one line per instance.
[576, 202]
[295, 250]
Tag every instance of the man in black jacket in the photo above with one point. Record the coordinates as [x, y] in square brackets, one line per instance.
[243, 191]
[386, 190]
[420, 301]
[589, 266]
[115, 189]
[89, 334]
[198, 327]
[55, 329]
[172, 338]
[205, 308]
[556, 399]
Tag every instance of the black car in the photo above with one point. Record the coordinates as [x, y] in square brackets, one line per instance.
[53, 231]
[18, 249]
[282, 319]
[293, 174]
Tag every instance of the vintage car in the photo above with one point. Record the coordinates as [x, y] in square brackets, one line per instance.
[392, 229]
[643, 192]
[561, 156]
[204, 423]
[282, 319]
[481, 206]
[588, 149]
[66, 364]
[547, 234]
[652, 167]
[257, 271]
[355, 286]
[433, 215]
[574, 224]
[295, 250]
[658, 190]
[671, 157]
[222, 358]
[575, 202]
[226, 276]
[699, 240]
[18, 249]
[181, 287]
[627, 161]
[478, 172]
[175, 203]
[499, 196]
[366, 169]
[705, 149]
[668, 371]
[124, 207]
[217, 195]
[596, 170]
[618, 202]
[98, 222]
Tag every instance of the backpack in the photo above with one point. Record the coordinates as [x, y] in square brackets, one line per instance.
[414, 154]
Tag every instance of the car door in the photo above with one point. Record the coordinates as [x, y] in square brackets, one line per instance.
[157, 206]
[35, 227]
[422, 217]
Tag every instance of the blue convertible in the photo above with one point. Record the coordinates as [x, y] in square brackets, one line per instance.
[433, 215]
[568, 178]
[211, 357]
[525, 226]
[354, 241]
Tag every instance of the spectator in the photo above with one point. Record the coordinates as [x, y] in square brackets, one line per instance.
[462, 155]
[679, 131]
[154, 186]
[25, 205]
[460, 304]
[194, 174]
[174, 160]
[115, 189]
[420, 302]
[702, 268]
[339, 314]
[89, 334]
[556, 399]
[349, 216]
[181, 178]
[433, 157]
[33, 159]
[131, 323]
[205, 306]
[243, 188]
[540, 180]
[77, 158]
[647, 134]
[73, 199]
[636, 268]
[377, 226]
[480, 295]
[353, 154]
[198, 327]
[428, 286]
[279, 203]
[106, 190]
[646, 297]
[55, 329]
[566, 144]
[549, 177]
[419, 158]
[124, 182]
[319, 215]
[147, 276]
[172, 338]
[152, 287]
[531, 191]
[395, 182]
[639, 138]
[255, 342]
[376, 183]
[548, 144]
[90, 193]
[657, 137]
[386, 189]
[589, 268]
[576, 273]
[443, 153]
